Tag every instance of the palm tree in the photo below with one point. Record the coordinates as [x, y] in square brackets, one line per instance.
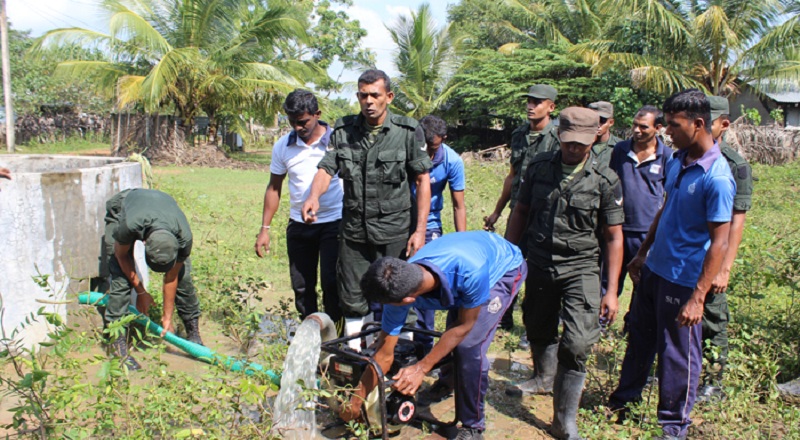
[192, 55]
[555, 22]
[426, 58]
[715, 45]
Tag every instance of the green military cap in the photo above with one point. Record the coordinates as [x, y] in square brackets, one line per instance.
[719, 107]
[603, 108]
[578, 124]
[161, 250]
[542, 91]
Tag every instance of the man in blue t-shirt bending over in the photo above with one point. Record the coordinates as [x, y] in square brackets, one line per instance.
[473, 275]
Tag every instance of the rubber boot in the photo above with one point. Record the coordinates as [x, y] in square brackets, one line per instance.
[192, 327]
[790, 391]
[567, 391]
[119, 349]
[545, 360]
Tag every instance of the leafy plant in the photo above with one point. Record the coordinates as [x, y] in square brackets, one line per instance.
[777, 115]
[751, 115]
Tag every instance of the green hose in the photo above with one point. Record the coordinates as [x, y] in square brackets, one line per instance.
[197, 351]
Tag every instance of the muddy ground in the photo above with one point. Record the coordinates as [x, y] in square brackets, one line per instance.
[509, 418]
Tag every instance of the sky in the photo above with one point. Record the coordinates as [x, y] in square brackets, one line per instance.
[39, 16]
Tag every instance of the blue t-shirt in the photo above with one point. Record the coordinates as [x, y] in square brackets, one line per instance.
[696, 194]
[467, 265]
[448, 168]
[642, 183]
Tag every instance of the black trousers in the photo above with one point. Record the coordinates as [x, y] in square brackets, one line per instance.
[310, 246]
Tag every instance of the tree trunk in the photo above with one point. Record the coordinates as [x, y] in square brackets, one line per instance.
[212, 128]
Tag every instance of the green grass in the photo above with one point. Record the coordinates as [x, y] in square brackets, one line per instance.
[224, 208]
[73, 145]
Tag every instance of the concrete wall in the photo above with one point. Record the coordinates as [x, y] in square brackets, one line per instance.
[51, 223]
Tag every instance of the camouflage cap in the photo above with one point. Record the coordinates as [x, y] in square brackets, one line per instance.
[719, 106]
[542, 91]
[578, 124]
[603, 108]
[161, 250]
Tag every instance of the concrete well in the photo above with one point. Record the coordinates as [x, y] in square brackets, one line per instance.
[51, 223]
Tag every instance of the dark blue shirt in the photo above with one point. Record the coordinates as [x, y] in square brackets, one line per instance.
[642, 183]
[467, 265]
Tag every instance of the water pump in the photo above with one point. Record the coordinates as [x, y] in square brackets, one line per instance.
[386, 410]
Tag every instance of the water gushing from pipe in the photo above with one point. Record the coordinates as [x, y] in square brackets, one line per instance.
[294, 413]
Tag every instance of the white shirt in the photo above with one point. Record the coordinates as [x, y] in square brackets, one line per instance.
[290, 155]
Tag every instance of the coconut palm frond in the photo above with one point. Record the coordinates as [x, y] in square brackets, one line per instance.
[66, 37]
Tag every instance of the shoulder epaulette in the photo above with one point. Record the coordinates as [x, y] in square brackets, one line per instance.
[603, 169]
[732, 155]
[404, 121]
[521, 129]
[347, 120]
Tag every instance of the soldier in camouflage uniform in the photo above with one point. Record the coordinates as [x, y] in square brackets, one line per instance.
[376, 154]
[567, 201]
[539, 135]
[152, 217]
[604, 144]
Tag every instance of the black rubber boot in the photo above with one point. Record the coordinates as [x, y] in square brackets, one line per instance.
[710, 389]
[192, 327]
[567, 391]
[469, 434]
[545, 360]
[119, 349]
[790, 391]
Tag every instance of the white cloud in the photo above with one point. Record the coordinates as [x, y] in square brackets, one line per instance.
[378, 39]
[396, 11]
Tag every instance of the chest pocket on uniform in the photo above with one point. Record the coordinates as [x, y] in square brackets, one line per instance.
[349, 161]
[582, 211]
[393, 163]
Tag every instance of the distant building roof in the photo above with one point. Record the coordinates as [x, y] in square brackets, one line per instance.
[785, 97]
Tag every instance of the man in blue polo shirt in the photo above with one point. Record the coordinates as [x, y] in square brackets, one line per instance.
[681, 255]
[640, 162]
[448, 169]
[475, 287]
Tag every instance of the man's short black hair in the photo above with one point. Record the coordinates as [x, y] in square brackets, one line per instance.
[693, 102]
[390, 279]
[300, 101]
[658, 115]
[433, 126]
[724, 117]
[372, 76]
